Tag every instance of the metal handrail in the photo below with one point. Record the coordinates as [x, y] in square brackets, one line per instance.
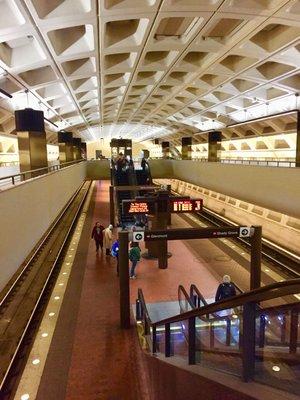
[268, 162]
[48, 169]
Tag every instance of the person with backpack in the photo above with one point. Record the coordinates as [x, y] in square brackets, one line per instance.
[225, 289]
[97, 235]
[134, 257]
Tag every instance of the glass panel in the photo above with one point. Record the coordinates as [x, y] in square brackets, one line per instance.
[277, 360]
[179, 339]
[217, 341]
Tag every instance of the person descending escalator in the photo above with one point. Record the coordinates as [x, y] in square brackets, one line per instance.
[225, 289]
[107, 239]
[97, 235]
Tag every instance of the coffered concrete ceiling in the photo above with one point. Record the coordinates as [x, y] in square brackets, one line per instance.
[149, 68]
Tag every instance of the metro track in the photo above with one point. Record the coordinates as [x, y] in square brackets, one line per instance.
[23, 303]
[282, 259]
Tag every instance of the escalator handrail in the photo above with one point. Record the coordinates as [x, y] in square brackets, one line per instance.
[144, 306]
[181, 289]
[272, 291]
[216, 317]
[194, 288]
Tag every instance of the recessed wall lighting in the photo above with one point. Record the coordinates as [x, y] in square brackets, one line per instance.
[25, 396]
[276, 368]
[51, 314]
[35, 361]
[45, 334]
[56, 298]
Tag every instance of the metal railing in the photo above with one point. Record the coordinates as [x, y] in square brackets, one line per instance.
[258, 162]
[251, 325]
[25, 175]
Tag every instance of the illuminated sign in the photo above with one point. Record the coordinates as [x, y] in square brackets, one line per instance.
[182, 206]
[138, 207]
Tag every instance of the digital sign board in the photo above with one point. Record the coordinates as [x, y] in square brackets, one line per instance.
[138, 207]
[185, 205]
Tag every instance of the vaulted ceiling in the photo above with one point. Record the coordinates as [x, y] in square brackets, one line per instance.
[148, 68]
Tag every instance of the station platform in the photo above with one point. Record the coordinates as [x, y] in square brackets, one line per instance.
[90, 357]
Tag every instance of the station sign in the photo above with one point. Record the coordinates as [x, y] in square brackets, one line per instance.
[138, 236]
[185, 205]
[144, 205]
[196, 233]
[138, 207]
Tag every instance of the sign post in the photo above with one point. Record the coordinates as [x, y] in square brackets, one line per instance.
[255, 264]
[124, 280]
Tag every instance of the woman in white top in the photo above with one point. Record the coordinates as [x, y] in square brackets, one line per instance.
[107, 239]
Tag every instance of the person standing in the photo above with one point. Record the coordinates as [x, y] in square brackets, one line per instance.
[225, 289]
[107, 239]
[134, 257]
[97, 235]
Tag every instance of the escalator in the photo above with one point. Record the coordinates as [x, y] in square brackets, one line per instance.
[242, 336]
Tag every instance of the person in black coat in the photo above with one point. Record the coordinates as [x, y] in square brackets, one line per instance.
[97, 235]
[225, 289]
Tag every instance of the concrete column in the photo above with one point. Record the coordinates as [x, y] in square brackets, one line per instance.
[77, 148]
[165, 146]
[186, 148]
[65, 144]
[32, 151]
[214, 146]
[298, 141]
[32, 141]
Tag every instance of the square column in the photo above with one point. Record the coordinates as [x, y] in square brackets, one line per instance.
[214, 146]
[186, 148]
[32, 151]
[65, 144]
[298, 141]
[76, 148]
[165, 147]
[32, 140]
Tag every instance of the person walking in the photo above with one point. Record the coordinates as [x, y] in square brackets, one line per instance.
[134, 257]
[107, 239]
[225, 289]
[97, 235]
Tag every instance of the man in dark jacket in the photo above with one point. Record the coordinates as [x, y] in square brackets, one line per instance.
[97, 235]
[225, 289]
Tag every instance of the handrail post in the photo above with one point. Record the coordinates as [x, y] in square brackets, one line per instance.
[154, 339]
[294, 330]
[228, 332]
[167, 340]
[283, 329]
[13, 180]
[138, 310]
[211, 335]
[248, 349]
[192, 341]
[262, 331]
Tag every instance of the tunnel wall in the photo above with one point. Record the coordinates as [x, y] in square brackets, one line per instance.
[28, 210]
[274, 188]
